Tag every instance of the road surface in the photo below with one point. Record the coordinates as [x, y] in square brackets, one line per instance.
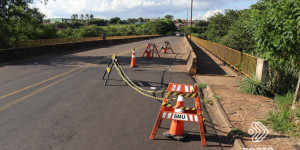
[60, 102]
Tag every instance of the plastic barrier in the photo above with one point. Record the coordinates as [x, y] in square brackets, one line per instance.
[166, 45]
[167, 111]
[150, 50]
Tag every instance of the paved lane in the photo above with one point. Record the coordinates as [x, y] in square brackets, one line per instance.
[61, 103]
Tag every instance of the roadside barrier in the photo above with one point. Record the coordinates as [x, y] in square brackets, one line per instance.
[42, 42]
[108, 70]
[176, 115]
[245, 63]
[166, 45]
[150, 50]
[133, 59]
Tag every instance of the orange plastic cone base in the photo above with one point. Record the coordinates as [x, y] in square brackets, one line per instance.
[148, 54]
[177, 127]
[164, 50]
[133, 62]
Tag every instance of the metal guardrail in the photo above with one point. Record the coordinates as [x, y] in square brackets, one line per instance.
[42, 42]
[236, 59]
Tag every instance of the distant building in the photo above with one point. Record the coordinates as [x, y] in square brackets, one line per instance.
[53, 20]
[179, 25]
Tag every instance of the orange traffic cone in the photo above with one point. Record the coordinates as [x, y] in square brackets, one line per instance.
[133, 59]
[164, 49]
[148, 53]
[177, 127]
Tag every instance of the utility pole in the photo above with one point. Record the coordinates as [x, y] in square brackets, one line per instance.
[186, 21]
[191, 21]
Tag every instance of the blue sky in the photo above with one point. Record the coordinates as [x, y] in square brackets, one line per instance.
[202, 9]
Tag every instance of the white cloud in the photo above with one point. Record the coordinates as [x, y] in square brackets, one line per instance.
[130, 8]
[208, 14]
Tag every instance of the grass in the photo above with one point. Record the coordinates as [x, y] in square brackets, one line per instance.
[217, 97]
[252, 86]
[283, 120]
[259, 105]
[238, 132]
[201, 85]
[209, 102]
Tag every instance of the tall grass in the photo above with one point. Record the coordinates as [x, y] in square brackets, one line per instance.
[283, 120]
[252, 86]
[201, 85]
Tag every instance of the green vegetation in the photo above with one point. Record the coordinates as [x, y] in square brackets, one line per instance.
[284, 120]
[269, 29]
[251, 86]
[209, 102]
[19, 22]
[238, 132]
[201, 85]
[217, 97]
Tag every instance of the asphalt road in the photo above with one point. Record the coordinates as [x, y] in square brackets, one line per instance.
[60, 102]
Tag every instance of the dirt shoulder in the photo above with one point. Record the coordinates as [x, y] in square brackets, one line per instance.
[241, 109]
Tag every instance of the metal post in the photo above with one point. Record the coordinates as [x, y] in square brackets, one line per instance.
[297, 95]
[191, 21]
[186, 21]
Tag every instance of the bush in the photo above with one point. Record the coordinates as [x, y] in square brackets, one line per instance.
[252, 86]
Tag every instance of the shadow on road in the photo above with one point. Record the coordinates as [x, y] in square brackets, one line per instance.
[206, 65]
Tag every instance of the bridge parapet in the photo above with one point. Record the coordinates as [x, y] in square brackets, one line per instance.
[245, 63]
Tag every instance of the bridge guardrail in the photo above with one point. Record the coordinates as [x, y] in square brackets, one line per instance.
[41, 42]
[240, 61]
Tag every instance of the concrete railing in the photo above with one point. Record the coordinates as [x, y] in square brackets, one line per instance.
[191, 57]
[13, 54]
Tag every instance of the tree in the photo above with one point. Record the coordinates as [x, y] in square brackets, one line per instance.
[202, 23]
[140, 19]
[98, 22]
[219, 25]
[114, 20]
[163, 26]
[179, 21]
[81, 17]
[74, 17]
[19, 22]
[49, 31]
[169, 17]
[240, 35]
[120, 22]
[276, 30]
[91, 16]
[87, 17]
[89, 31]
[131, 20]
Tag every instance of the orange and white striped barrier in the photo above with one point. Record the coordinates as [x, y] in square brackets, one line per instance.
[150, 50]
[166, 45]
[178, 114]
[133, 59]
